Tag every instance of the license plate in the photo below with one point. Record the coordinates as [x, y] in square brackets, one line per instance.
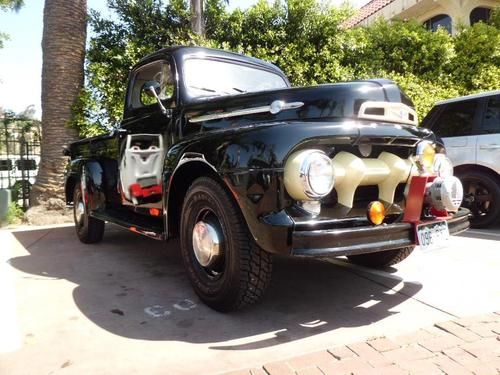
[432, 236]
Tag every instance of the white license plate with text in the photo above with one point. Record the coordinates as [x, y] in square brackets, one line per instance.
[432, 236]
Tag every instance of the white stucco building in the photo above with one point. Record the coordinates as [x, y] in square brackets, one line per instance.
[433, 13]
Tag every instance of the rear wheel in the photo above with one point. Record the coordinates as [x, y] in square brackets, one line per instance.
[481, 197]
[88, 228]
[383, 258]
[225, 266]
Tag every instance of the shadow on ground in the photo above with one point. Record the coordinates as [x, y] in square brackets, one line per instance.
[122, 283]
[491, 233]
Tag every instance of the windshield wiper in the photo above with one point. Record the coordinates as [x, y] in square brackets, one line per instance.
[239, 90]
[217, 92]
[202, 88]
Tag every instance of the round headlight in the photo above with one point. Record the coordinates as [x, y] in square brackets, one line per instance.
[425, 156]
[317, 174]
[309, 175]
[442, 166]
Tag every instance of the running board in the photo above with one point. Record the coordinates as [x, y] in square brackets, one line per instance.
[134, 222]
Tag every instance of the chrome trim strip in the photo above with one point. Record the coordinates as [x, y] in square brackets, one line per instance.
[275, 107]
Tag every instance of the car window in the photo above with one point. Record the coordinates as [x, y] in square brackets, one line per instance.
[456, 119]
[158, 71]
[491, 119]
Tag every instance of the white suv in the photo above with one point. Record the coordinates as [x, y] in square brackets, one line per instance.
[470, 129]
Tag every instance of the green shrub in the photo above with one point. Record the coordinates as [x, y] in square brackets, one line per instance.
[15, 214]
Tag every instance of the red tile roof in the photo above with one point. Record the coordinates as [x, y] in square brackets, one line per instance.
[365, 11]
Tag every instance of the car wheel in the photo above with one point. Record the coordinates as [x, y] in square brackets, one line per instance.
[88, 228]
[481, 197]
[383, 258]
[225, 266]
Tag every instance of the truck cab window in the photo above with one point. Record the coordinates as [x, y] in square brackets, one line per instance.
[158, 71]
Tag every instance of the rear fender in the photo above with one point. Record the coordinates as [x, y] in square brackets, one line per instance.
[92, 179]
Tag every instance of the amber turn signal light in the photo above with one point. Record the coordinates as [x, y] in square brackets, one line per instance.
[376, 212]
[154, 212]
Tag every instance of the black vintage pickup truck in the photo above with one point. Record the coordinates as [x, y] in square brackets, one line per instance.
[216, 148]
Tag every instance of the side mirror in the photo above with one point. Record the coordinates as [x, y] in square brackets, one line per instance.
[152, 89]
[66, 151]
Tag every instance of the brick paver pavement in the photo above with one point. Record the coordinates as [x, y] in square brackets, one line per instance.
[462, 346]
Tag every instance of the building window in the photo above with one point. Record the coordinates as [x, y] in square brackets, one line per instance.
[479, 14]
[441, 20]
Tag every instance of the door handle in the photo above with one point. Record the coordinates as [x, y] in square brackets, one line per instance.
[492, 146]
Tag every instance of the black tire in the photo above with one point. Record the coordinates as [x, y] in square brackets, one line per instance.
[88, 229]
[481, 197]
[241, 273]
[383, 258]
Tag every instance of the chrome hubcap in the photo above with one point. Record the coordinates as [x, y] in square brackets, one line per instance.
[80, 212]
[206, 243]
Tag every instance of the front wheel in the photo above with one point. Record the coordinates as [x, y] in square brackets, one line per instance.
[482, 198]
[226, 268]
[383, 258]
[88, 228]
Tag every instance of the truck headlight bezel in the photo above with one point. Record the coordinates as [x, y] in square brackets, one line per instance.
[309, 175]
[442, 166]
[425, 155]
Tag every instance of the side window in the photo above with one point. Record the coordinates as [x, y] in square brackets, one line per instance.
[158, 71]
[456, 119]
[491, 119]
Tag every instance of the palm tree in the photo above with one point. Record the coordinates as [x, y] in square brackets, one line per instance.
[197, 23]
[63, 48]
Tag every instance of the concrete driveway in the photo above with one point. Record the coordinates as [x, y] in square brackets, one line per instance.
[126, 306]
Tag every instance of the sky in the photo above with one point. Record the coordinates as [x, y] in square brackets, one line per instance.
[21, 57]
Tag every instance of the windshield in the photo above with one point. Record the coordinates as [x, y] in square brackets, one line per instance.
[204, 77]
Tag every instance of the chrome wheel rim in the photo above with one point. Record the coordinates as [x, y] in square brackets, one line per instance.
[206, 243]
[79, 212]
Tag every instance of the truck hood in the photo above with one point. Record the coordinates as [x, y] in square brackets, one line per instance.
[380, 101]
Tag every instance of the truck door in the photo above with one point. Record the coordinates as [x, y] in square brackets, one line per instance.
[144, 136]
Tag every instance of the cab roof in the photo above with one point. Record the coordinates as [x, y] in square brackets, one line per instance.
[181, 52]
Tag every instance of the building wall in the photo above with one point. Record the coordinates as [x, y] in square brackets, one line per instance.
[458, 10]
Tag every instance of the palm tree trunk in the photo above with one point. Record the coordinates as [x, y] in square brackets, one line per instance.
[197, 24]
[63, 47]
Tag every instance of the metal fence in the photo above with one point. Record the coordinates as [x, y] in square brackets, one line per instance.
[19, 157]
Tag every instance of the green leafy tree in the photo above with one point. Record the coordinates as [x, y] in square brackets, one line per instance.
[7, 5]
[11, 4]
[401, 47]
[301, 37]
[476, 65]
[142, 27]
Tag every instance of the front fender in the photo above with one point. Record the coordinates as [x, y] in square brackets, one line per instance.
[249, 170]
